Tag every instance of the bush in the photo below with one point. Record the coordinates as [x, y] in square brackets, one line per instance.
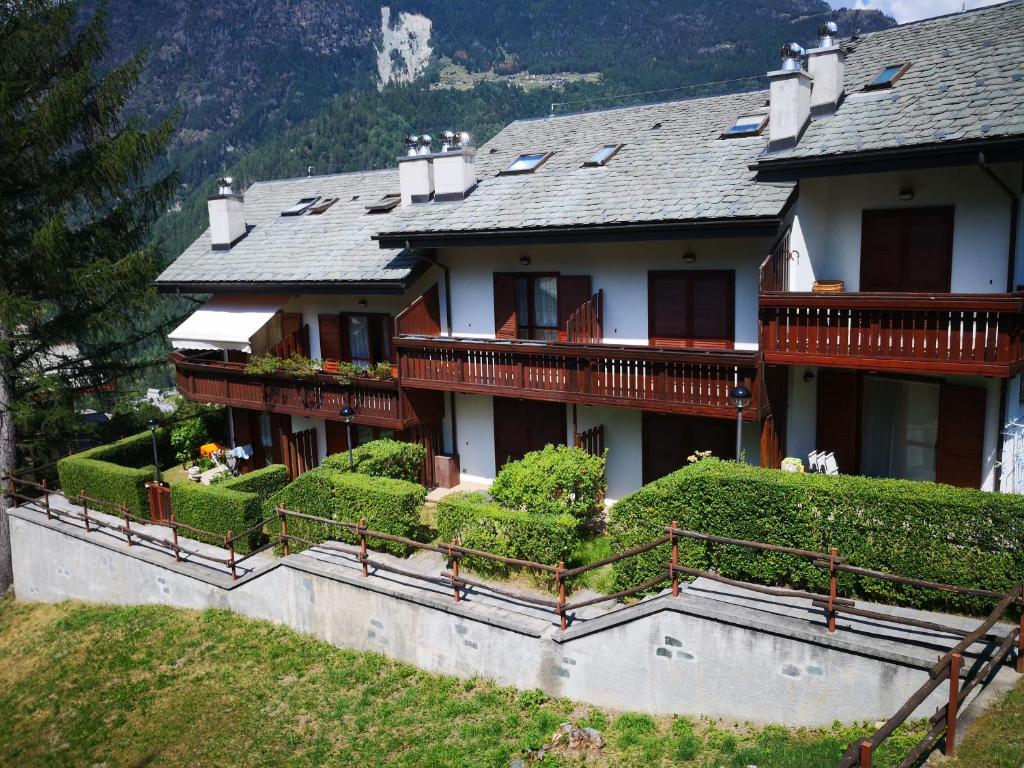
[387, 505]
[925, 530]
[186, 438]
[557, 480]
[217, 509]
[382, 458]
[482, 524]
[263, 482]
[115, 473]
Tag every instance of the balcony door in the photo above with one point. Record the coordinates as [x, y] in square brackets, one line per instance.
[537, 305]
[668, 439]
[692, 308]
[363, 339]
[907, 250]
[521, 426]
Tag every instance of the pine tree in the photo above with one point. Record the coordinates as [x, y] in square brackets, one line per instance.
[76, 202]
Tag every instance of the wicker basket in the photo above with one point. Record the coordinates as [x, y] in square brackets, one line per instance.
[829, 286]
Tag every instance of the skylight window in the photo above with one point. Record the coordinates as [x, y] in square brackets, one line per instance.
[322, 206]
[385, 204]
[887, 77]
[527, 163]
[745, 125]
[300, 207]
[603, 155]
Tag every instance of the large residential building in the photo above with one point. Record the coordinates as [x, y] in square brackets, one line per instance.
[846, 245]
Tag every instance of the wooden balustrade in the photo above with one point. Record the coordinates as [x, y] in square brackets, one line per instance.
[974, 334]
[686, 381]
[586, 324]
[377, 403]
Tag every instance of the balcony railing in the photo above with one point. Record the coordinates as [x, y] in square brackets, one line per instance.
[966, 333]
[377, 403]
[685, 381]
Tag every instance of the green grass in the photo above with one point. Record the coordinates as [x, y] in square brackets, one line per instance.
[84, 685]
[590, 551]
[996, 740]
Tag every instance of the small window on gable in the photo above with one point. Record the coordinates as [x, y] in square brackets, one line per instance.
[887, 77]
[300, 207]
[322, 206]
[603, 155]
[745, 125]
[385, 204]
[527, 163]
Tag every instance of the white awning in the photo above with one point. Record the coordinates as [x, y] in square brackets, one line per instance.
[226, 322]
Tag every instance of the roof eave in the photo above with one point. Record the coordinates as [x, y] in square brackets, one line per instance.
[349, 287]
[933, 155]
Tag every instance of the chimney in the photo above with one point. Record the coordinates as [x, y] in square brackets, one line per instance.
[454, 167]
[825, 65]
[789, 98]
[416, 171]
[227, 216]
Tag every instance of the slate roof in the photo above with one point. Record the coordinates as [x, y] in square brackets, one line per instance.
[335, 247]
[678, 172]
[966, 82]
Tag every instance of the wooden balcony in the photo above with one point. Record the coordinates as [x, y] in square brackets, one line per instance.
[976, 334]
[686, 381]
[377, 403]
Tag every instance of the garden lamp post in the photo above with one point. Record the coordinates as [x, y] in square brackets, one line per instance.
[156, 456]
[346, 415]
[741, 396]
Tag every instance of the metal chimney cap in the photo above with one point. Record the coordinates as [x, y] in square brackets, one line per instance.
[225, 186]
[792, 55]
[449, 141]
[827, 34]
[411, 143]
[423, 142]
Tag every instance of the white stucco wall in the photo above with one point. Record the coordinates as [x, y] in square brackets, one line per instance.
[827, 225]
[620, 269]
[475, 422]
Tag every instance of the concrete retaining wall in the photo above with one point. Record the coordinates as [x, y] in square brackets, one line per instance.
[713, 651]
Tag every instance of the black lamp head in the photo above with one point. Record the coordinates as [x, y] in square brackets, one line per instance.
[152, 424]
[741, 395]
[348, 412]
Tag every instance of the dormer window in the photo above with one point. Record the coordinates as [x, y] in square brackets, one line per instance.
[385, 204]
[887, 77]
[300, 207]
[322, 206]
[527, 163]
[745, 125]
[603, 155]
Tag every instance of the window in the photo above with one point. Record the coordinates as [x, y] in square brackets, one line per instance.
[907, 249]
[369, 339]
[385, 204]
[537, 307]
[745, 125]
[887, 77]
[300, 207]
[900, 420]
[691, 308]
[322, 206]
[527, 163]
[603, 155]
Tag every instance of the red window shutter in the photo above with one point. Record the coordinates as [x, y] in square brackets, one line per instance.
[330, 337]
[505, 322]
[839, 417]
[961, 435]
[573, 293]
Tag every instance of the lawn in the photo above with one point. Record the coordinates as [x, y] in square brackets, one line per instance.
[101, 686]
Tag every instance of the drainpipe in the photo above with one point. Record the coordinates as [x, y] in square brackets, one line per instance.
[1011, 269]
[448, 326]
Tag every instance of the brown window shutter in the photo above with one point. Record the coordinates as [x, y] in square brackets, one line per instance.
[337, 438]
[330, 337]
[961, 435]
[693, 308]
[389, 346]
[839, 417]
[573, 293]
[376, 326]
[291, 322]
[505, 322]
[346, 346]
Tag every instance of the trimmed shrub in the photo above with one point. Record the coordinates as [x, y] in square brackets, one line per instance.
[556, 480]
[382, 458]
[483, 524]
[263, 482]
[924, 530]
[217, 509]
[389, 506]
[115, 473]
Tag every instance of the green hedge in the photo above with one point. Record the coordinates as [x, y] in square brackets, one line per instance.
[382, 458]
[219, 510]
[556, 480]
[115, 473]
[390, 506]
[263, 482]
[479, 523]
[924, 530]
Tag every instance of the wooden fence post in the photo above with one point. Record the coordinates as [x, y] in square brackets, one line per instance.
[951, 708]
[230, 543]
[675, 559]
[85, 509]
[832, 589]
[362, 546]
[865, 754]
[284, 527]
[174, 538]
[127, 524]
[46, 500]
[454, 557]
[561, 596]
[1020, 644]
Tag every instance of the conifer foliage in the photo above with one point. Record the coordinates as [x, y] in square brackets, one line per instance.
[76, 202]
